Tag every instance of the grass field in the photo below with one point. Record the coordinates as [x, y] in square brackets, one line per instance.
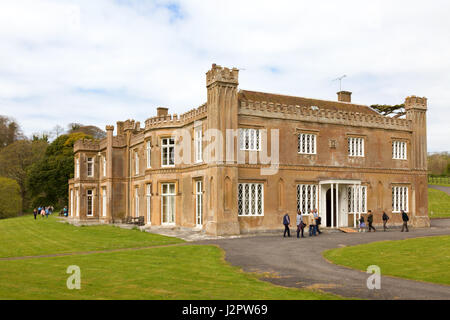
[423, 259]
[172, 272]
[438, 204]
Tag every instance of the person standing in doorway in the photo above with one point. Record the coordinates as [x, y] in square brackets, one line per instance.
[405, 219]
[287, 224]
[385, 220]
[370, 221]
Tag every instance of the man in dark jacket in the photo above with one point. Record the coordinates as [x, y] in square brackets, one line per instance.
[405, 219]
[370, 221]
[287, 223]
[385, 220]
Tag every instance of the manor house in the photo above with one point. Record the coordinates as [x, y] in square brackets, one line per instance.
[271, 154]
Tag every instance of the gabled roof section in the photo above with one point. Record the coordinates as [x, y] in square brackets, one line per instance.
[254, 96]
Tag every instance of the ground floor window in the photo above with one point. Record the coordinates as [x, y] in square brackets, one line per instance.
[400, 199]
[250, 199]
[90, 203]
[136, 202]
[307, 198]
[199, 203]
[78, 203]
[168, 203]
[71, 202]
[357, 199]
[149, 198]
[104, 201]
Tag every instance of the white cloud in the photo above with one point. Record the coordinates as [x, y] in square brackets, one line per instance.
[101, 61]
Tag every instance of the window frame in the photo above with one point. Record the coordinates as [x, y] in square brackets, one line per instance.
[255, 202]
[403, 197]
[89, 202]
[249, 137]
[90, 164]
[310, 144]
[397, 150]
[165, 149]
[354, 148]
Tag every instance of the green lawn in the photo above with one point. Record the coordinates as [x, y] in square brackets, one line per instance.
[25, 236]
[438, 204]
[424, 259]
[174, 272]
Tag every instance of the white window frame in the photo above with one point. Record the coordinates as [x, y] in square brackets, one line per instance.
[399, 150]
[104, 201]
[136, 162]
[400, 199]
[136, 201]
[104, 165]
[198, 144]
[71, 202]
[251, 199]
[149, 154]
[90, 164]
[78, 202]
[170, 206]
[199, 203]
[357, 199]
[166, 145]
[356, 147]
[77, 167]
[148, 197]
[307, 143]
[90, 202]
[249, 139]
[307, 198]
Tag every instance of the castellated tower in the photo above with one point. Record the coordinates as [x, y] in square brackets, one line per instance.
[416, 112]
[222, 101]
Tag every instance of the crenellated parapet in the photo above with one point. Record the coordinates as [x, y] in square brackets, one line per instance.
[86, 145]
[223, 75]
[414, 102]
[319, 114]
[175, 120]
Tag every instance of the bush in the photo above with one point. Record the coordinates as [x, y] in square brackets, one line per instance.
[10, 199]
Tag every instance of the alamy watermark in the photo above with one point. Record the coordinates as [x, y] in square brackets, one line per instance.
[374, 281]
[74, 280]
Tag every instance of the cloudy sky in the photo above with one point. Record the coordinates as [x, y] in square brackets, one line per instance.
[96, 62]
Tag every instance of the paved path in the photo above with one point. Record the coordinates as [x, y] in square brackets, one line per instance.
[441, 188]
[299, 263]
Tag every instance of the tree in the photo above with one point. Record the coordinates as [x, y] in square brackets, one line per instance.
[9, 131]
[16, 159]
[48, 178]
[93, 131]
[10, 201]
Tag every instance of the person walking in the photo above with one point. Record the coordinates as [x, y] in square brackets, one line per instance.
[312, 225]
[47, 212]
[35, 213]
[66, 211]
[299, 224]
[362, 224]
[370, 221]
[286, 223]
[405, 219]
[385, 220]
[42, 212]
[318, 220]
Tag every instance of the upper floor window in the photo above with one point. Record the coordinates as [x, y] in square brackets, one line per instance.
[400, 199]
[168, 152]
[136, 162]
[90, 167]
[399, 150]
[356, 147]
[307, 143]
[250, 139]
[149, 154]
[104, 165]
[77, 168]
[198, 146]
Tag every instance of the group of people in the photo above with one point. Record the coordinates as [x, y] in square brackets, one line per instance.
[313, 220]
[43, 211]
[46, 211]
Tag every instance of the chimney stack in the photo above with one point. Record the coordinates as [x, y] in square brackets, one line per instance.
[162, 111]
[344, 96]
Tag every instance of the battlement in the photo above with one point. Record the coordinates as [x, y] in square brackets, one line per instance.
[414, 102]
[86, 145]
[175, 120]
[221, 74]
[320, 114]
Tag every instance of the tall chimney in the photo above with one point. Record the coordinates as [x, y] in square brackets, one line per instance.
[162, 111]
[344, 96]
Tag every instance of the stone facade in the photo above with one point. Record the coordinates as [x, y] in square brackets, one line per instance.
[339, 157]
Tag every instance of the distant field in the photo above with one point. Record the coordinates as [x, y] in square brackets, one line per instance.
[191, 272]
[424, 259]
[438, 204]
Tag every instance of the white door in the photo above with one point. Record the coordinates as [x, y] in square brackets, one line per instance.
[199, 203]
[168, 203]
[148, 197]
